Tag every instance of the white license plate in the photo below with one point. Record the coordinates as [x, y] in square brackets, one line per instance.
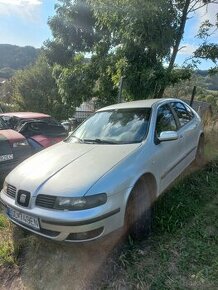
[6, 157]
[23, 218]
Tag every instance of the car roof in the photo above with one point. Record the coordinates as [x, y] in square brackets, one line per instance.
[25, 115]
[138, 104]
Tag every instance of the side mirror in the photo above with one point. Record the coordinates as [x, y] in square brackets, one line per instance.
[168, 136]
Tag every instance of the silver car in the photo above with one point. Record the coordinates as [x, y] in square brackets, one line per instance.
[107, 174]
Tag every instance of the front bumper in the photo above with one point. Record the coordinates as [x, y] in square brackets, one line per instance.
[70, 226]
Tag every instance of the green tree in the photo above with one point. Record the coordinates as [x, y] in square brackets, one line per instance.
[131, 38]
[34, 89]
[74, 81]
[208, 49]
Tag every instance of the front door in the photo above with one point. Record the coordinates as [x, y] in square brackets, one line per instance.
[168, 153]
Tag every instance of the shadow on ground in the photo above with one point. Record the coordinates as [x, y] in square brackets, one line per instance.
[68, 266]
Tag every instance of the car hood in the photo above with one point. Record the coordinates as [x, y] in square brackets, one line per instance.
[67, 168]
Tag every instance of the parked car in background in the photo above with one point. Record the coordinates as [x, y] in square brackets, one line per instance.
[107, 174]
[41, 130]
[25, 133]
[14, 148]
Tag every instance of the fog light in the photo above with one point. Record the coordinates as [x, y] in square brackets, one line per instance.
[85, 235]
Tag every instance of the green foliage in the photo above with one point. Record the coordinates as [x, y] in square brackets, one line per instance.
[74, 82]
[125, 38]
[34, 89]
[73, 30]
[208, 50]
[142, 33]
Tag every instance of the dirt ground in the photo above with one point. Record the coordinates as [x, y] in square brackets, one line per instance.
[50, 265]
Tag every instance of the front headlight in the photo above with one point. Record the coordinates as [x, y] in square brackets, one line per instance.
[20, 143]
[80, 203]
[5, 187]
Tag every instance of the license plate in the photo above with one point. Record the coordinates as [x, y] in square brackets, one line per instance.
[23, 218]
[6, 157]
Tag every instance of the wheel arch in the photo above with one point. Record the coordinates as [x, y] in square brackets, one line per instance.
[147, 179]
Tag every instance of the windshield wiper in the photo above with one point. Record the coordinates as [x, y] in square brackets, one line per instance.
[98, 141]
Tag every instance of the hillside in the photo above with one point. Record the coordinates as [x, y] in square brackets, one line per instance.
[210, 81]
[13, 57]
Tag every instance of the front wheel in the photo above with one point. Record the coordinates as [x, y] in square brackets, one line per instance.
[138, 217]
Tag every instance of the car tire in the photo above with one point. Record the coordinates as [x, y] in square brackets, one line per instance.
[199, 157]
[138, 216]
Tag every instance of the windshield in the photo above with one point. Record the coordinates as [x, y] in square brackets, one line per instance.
[121, 126]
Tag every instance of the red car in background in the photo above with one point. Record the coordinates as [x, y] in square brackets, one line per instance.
[24, 133]
[40, 129]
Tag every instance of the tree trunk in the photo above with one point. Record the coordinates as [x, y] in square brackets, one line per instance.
[176, 45]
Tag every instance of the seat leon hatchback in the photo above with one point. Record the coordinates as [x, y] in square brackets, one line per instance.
[106, 175]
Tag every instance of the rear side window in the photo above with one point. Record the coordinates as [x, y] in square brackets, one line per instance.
[182, 113]
[165, 120]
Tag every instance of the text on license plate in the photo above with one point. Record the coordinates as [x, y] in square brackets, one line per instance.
[23, 218]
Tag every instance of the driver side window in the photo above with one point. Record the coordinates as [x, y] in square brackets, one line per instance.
[165, 120]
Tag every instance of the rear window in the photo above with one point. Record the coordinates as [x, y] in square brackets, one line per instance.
[16, 123]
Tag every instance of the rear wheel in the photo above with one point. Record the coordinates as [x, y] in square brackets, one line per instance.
[138, 217]
[199, 158]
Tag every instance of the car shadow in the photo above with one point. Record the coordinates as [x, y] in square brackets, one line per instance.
[51, 265]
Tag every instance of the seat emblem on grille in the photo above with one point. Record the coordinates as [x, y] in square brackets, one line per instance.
[23, 198]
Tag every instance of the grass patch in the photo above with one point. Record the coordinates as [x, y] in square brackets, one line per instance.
[6, 242]
[12, 240]
[182, 252]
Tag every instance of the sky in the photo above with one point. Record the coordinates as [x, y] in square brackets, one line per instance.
[24, 22]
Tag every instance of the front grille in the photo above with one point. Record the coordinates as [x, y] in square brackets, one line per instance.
[47, 201]
[11, 191]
